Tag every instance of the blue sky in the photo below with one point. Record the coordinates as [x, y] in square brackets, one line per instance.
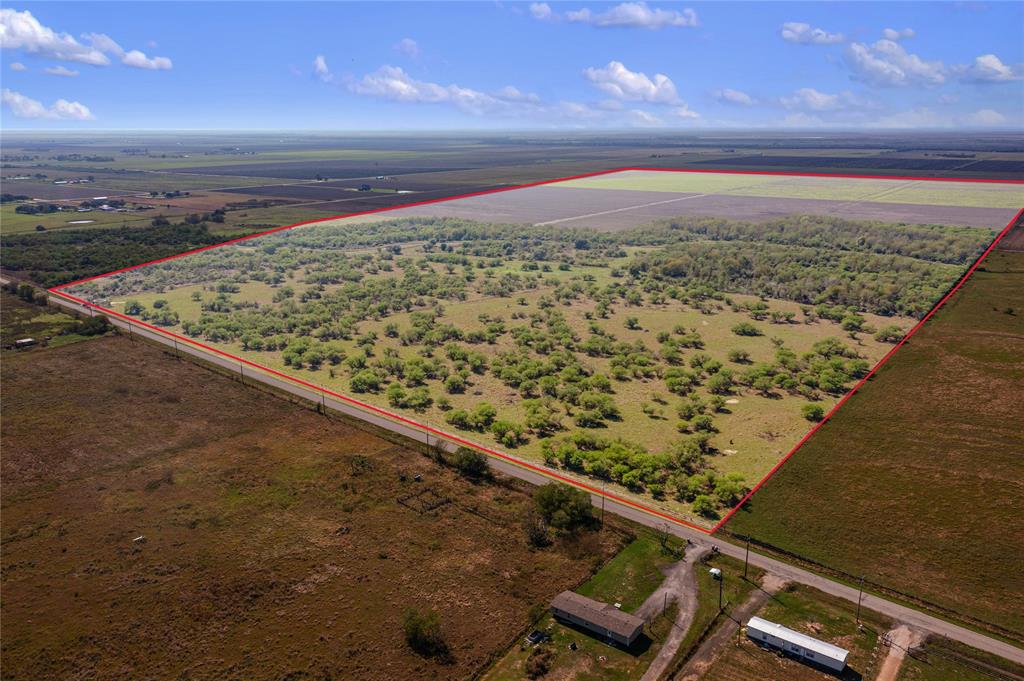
[467, 65]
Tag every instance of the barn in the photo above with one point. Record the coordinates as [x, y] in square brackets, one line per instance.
[796, 644]
[605, 620]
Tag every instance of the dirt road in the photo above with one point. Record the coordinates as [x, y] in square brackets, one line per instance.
[680, 586]
[784, 571]
[900, 640]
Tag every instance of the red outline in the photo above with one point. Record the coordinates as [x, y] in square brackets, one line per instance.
[56, 290]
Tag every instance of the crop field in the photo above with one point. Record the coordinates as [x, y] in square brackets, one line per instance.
[164, 520]
[923, 193]
[923, 465]
[676, 360]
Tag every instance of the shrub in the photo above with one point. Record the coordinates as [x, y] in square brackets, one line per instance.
[423, 633]
[813, 412]
[563, 507]
[746, 329]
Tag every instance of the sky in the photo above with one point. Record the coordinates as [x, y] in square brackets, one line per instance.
[504, 65]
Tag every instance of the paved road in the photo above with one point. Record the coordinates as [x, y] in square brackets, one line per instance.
[779, 569]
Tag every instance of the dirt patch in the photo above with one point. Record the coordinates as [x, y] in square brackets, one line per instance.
[163, 520]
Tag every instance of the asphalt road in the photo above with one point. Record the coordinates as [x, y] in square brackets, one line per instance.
[790, 573]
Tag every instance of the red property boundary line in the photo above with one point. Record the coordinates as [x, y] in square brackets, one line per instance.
[57, 291]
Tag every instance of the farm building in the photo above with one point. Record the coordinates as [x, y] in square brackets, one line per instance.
[600, 618]
[796, 644]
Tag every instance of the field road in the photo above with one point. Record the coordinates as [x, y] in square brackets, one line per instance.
[790, 573]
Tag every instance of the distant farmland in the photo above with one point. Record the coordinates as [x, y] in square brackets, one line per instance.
[916, 482]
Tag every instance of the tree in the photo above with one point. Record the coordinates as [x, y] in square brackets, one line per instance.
[813, 412]
[563, 507]
[472, 464]
[536, 528]
[423, 633]
[739, 356]
[704, 505]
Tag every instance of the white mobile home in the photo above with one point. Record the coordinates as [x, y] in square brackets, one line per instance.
[796, 644]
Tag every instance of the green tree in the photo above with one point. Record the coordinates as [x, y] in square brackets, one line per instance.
[423, 633]
[812, 412]
[563, 507]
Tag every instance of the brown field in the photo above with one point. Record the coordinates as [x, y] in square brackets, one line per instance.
[274, 545]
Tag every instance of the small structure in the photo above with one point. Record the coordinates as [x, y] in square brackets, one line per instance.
[601, 618]
[796, 644]
[715, 573]
[25, 343]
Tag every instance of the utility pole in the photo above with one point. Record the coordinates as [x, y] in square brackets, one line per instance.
[859, 597]
[721, 582]
[746, 558]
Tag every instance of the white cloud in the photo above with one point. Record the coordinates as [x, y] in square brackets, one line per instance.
[61, 71]
[812, 100]
[139, 60]
[541, 10]
[408, 47]
[320, 69]
[631, 15]
[21, 30]
[985, 118]
[392, 82]
[621, 83]
[26, 107]
[684, 111]
[18, 66]
[885, 63]
[805, 34]
[902, 34]
[734, 97]
[576, 110]
[644, 119]
[988, 68]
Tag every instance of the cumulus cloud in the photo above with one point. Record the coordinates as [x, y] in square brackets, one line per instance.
[988, 68]
[320, 69]
[887, 64]
[139, 60]
[621, 83]
[21, 30]
[392, 82]
[26, 107]
[408, 47]
[541, 10]
[805, 34]
[734, 97]
[61, 71]
[902, 34]
[18, 66]
[629, 15]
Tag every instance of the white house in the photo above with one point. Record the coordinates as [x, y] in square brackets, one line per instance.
[796, 644]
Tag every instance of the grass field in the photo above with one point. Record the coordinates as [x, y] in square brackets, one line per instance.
[274, 545]
[923, 466]
[817, 614]
[883, 191]
[753, 431]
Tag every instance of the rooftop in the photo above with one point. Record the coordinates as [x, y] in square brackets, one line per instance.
[790, 636]
[607, 616]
